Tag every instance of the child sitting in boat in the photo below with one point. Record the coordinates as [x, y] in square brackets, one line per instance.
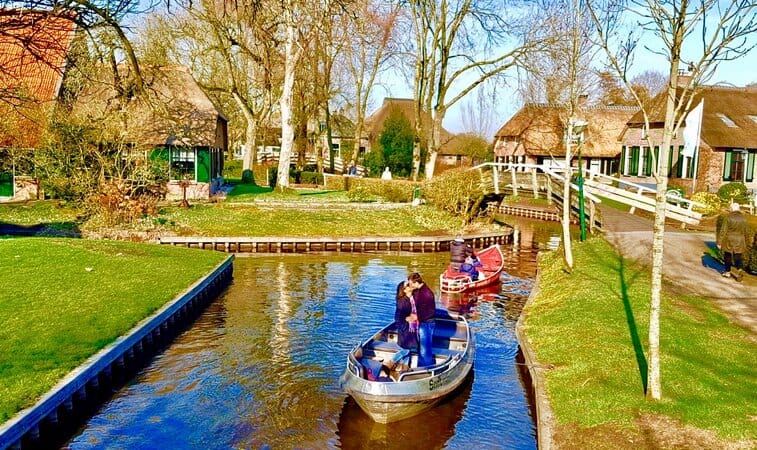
[470, 266]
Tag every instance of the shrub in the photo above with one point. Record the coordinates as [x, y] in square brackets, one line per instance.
[457, 191]
[735, 191]
[311, 178]
[359, 194]
[711, 201]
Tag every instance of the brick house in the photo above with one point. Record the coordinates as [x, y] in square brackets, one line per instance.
[726, 148]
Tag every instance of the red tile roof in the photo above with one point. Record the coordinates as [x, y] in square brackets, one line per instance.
[33, 48]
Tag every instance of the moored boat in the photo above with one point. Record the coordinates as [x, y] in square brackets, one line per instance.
[399, 395]
[492, 262]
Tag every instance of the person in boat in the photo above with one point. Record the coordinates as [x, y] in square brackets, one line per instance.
[470, 267]
[425, 305]
[459, 250]
[406, 321]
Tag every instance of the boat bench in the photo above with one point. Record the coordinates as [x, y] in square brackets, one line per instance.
[391, 347]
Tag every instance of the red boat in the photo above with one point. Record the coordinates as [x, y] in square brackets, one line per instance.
[492, 263]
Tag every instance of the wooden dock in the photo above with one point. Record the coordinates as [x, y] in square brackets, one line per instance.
[417, 244]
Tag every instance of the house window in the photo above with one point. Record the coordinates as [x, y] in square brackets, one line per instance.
[335, 150]
[182, 163]
[733, 169]
[726, 120]
[631, 163]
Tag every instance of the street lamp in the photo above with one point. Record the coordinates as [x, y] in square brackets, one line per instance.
[577, 128]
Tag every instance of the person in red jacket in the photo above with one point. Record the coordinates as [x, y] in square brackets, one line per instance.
[425, 305]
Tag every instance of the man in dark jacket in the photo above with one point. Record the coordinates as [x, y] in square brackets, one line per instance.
[458, 251]
[425, 305]
[732, 239]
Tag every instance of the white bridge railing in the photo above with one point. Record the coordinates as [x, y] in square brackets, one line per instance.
[598, 185]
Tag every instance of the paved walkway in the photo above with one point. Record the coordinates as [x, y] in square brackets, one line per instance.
[685, 263]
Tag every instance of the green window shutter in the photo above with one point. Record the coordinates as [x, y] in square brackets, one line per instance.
[161, 154]
[623, 160]
[203, 165]
[681, 160]
[656, 158]
[727, 166]
[750, 166]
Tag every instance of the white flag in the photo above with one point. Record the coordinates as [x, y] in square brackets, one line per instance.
[692, 129]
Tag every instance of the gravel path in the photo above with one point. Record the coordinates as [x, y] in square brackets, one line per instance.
[685, 263]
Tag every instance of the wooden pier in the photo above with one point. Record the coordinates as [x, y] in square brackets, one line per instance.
[417, 244]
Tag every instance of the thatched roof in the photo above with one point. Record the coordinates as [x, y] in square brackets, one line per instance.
[173, 110]
[374, 124]
[737, 104]
[539, 129]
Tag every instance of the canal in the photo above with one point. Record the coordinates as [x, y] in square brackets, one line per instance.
[260, 367]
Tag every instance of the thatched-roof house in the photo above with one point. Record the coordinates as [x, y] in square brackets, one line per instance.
[727, 141]
[536, 135]
[450, 152]
[173, 119]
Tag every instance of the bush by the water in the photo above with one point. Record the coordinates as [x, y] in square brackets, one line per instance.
[457, 191]
[311, 178]
[710, 200]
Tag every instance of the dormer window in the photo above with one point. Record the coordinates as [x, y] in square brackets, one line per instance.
[754, 118]
[727, 121]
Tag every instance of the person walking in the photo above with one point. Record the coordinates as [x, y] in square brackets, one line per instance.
[425, 305]
[732, 238]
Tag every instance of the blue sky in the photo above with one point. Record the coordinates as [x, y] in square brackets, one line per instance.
[740, 72]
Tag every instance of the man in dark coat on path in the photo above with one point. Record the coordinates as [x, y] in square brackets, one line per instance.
[732, 238]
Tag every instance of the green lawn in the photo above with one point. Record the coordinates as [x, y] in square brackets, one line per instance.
[344, 220]
[592, 326]
[48, 212]
[62, 300]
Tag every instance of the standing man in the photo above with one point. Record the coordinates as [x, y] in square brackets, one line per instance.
[425, 305]
[458, 251]
[731, 239]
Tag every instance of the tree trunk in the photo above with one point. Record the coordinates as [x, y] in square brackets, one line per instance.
[287, 94]
[654, 384]
[435, 144]
[251, 149]
[567, 246]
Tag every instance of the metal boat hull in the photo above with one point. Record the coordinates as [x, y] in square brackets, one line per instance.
[420, 389]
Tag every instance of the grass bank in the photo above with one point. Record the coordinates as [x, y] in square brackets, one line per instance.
[333, 216]
[594, 335]
[62, 300]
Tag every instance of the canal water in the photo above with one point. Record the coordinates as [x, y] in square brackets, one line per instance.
[260, 367]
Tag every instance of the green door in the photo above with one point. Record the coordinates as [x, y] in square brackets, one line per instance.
[6, 184]
[203, 165]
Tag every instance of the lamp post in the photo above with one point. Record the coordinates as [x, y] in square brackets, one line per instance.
[576, 134]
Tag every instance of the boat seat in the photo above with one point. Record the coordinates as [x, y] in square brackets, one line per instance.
[372, 370]
[446, 352]
[384, 346]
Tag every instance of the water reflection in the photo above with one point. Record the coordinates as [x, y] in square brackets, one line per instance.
[358, 431]
[260, 367]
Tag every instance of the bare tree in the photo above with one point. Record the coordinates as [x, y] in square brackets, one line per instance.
[369, 31]
[478, 114]
[726, 31]
[458, 46]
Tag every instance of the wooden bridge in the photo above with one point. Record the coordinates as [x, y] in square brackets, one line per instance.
[547, 182]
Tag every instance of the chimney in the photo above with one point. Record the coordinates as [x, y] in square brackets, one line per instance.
[684, 76]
